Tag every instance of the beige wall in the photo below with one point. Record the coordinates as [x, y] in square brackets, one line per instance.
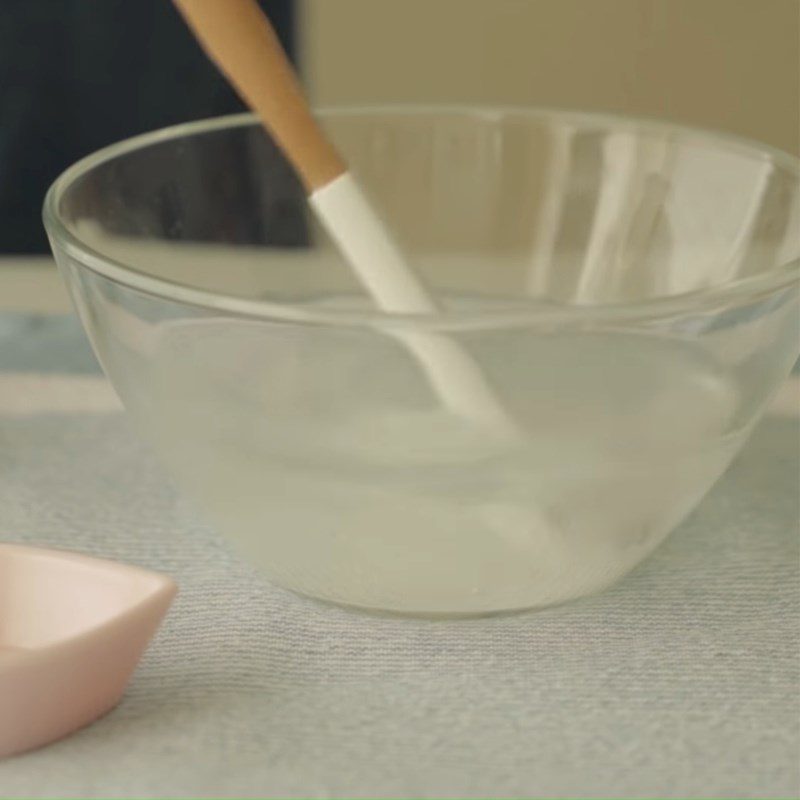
[727, 64]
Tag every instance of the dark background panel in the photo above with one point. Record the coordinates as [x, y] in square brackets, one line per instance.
[76, 75]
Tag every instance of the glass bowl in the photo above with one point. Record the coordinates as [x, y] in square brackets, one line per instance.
[628, 289]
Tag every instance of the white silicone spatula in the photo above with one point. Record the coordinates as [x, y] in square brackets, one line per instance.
[240, 40]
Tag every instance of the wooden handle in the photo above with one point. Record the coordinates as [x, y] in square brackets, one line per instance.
[240, 40]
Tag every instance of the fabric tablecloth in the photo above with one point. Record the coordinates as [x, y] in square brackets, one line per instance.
[682, 680]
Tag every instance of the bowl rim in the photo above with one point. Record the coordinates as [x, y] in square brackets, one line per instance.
[731, 294]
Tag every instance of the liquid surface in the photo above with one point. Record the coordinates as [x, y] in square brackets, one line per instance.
[329, 462]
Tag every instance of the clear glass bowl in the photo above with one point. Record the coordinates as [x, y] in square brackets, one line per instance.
[629, 290]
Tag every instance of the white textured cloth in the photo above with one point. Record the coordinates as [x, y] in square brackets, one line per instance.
[683, 680]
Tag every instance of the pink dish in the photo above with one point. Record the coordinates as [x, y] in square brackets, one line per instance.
[72, 630]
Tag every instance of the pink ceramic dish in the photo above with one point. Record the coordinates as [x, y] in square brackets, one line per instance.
[72, 630]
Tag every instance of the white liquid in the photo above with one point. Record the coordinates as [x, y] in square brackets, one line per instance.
[325, 459]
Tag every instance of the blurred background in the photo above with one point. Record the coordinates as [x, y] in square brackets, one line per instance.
[727, 64]
[76, 75]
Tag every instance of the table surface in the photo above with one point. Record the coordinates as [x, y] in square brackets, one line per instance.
[682, 680]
